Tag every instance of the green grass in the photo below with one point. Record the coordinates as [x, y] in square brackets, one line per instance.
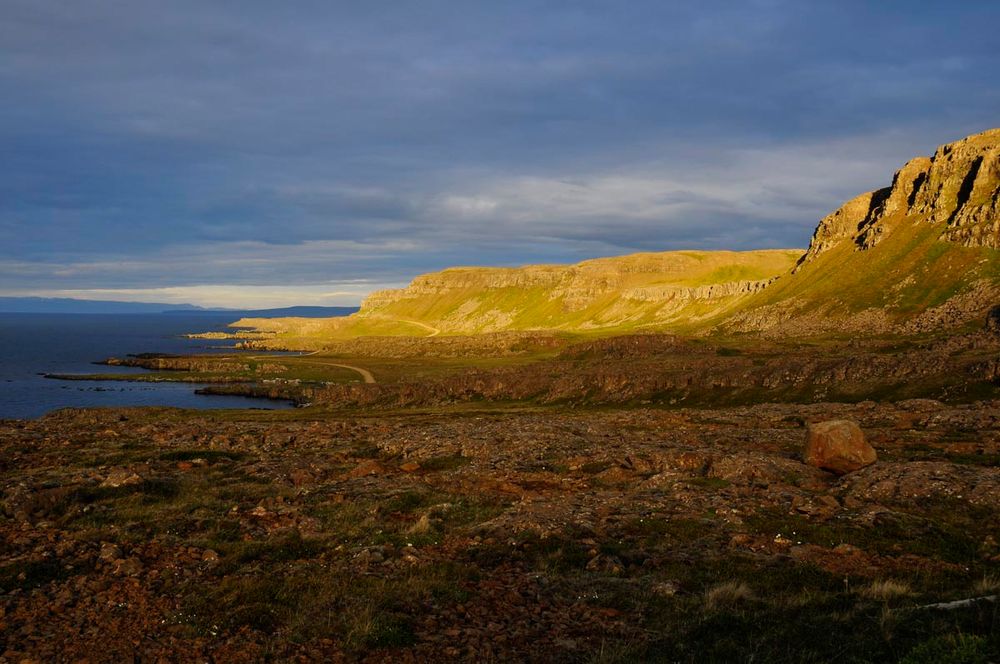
[311, 601]
[391, 519]
[741, 608]
[909, 271]
[950, 649]
[208, 455]
[283, 547]
[470, 306]
[939, 531]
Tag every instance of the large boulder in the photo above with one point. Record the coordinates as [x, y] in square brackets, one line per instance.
[838, 446]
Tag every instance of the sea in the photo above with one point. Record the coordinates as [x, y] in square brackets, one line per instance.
[32, 344]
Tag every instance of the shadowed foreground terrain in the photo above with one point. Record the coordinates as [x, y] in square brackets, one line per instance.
[537, 534]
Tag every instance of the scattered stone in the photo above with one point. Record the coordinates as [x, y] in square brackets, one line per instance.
[371, 556]
[607, 564]
[838, 446]
[537, 550]
[110, 552]
[128, 567]
[615, 475]
[367, 468]
[666, 588]
[820, 507]
[120, 478]
[847, 550]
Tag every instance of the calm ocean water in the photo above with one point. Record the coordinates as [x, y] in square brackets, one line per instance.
[32, 344]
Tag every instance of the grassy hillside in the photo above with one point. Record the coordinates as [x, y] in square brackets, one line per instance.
[605, 296]
[912, 281]
[918, 256]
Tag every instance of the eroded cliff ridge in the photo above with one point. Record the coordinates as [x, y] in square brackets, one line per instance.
[958, 189]
[630, 291]
[915, 257]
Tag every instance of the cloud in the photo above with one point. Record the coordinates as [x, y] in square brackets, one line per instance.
[151, 144]
[221, 295]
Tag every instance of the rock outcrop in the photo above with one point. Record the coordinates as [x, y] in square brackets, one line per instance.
[920, 256]
[958, 188]
[845, 222]
[691, 293]
[643, 277]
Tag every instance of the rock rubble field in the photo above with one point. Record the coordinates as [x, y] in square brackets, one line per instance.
[479, 534]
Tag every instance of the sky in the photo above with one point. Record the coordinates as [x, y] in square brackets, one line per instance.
[258, 153]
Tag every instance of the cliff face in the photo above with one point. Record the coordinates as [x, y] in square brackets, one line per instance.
[845, 223]
[918, 256]
[453, 279]
[958, 189]
[642, 277]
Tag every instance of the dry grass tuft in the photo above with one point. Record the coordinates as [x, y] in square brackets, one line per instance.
[727, 594]
[886, 589]
[423, 525]
[988, 585]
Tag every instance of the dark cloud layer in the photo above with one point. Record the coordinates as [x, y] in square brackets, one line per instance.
[152, 145]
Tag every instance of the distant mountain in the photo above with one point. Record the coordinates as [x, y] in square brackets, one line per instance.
[65, 305]
[919, 256]
[297, 312]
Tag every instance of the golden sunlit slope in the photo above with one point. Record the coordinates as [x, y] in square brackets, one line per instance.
[920, 255]
[604, 294]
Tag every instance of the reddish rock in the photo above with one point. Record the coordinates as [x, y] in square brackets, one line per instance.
[301, 477]
[838, 446]
[128, 566]
[689, 461]
[615, 475]
[367, 468]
